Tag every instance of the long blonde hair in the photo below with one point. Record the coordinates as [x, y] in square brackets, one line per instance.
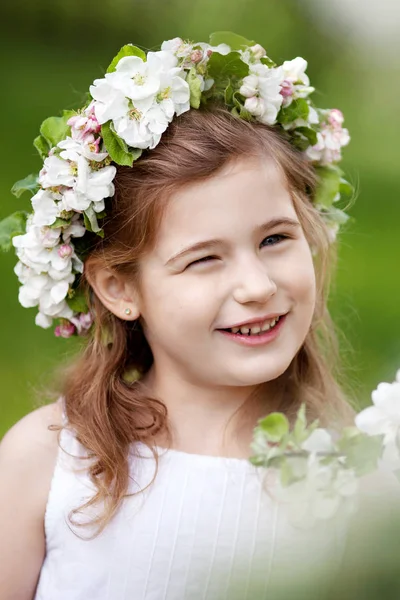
[107, 412]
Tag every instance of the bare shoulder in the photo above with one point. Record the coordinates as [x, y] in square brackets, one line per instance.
[28, 454]
[29, 449]
[34, 429]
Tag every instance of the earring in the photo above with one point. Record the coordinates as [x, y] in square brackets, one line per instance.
[128, 311]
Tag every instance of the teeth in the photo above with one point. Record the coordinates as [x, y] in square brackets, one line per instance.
[257, 329]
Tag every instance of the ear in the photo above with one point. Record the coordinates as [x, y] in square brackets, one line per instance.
[115, 292]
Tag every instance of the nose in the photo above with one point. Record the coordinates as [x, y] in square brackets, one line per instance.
[254, 284]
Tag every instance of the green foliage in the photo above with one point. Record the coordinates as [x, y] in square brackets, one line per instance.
[55, 129]
[77, 301]
[60, 223]
[224, 67]
[268, 62]
[117, 148]
[12, 225]
[52, 131]
[41, 146]
[233, 40]
[361, 451]
[328, 184]
[29, 183]
[297, 109]
[127, 50]
[275, 426]
[91, 224]
[195, 88]
[303, 137]
[301, 430]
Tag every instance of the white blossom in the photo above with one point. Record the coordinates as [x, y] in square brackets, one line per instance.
[46, 208]
[383, 418]
[57, 172]
[178, 47]
[296, 83]
[154, 91]
[331, 138]
[320, 494]
[43, 320]
[87, 147]
[95, 185]
[110, 102]
[267, 101]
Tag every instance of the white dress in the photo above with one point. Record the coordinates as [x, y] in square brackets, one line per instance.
[205, 529]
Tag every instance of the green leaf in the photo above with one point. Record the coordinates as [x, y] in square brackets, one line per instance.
[76, 300]
[238, 101]
[346, 190]
[275, 426]
[245, 115]
[222, 67]
[336, 215]
[30, 183]
[117, 148]
[195, 88]
[60, 223]
[362, 451]
[286, 474]
[127, 50]
[257, 461]
[329, 181]
[12, 225]
[265, 60]
[91, 224]
[298, 109]
[300, 432]
[55, 129]
[228, 94]
[233, 40]
[42, 146]
[309, 135]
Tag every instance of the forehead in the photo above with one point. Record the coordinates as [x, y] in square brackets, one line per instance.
[241, 195]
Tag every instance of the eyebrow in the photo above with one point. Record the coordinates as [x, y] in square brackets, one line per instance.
[207, 244]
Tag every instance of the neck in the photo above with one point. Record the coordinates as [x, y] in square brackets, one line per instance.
[207, 420]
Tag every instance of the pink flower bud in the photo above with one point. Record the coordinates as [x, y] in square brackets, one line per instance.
[94, 145]
[287, 89]
[196, 56]
[86, 320]
[258, 51]
[66, 330]
[209, 52]
[73, 121]
[65, 251]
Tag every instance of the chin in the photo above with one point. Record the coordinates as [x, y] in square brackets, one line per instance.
[262, 375]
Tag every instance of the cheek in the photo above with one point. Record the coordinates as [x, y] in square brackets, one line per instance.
[175, 301]
[300, 277]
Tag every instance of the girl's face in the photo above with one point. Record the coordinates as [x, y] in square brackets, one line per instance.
[220, 261]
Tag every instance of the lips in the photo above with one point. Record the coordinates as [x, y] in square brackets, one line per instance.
[256, 321]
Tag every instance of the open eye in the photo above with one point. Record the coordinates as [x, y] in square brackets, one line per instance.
[276, 239]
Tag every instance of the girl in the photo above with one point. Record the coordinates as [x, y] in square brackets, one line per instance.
[208, 294]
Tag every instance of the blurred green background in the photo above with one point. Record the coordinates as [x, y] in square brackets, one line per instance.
[53, 50]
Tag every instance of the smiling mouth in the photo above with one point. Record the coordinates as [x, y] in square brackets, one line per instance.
[254, 330]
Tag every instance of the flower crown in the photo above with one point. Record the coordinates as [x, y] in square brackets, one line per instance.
[127, 112]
